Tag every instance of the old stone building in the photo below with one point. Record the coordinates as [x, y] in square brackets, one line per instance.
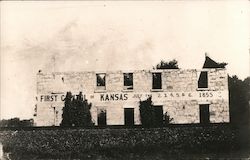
[188, 96]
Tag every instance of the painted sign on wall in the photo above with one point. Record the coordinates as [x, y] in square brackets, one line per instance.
[136, 96]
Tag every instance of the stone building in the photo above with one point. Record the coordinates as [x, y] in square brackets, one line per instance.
[188, 96]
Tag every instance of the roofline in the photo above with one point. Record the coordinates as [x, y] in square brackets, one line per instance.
[132, 71]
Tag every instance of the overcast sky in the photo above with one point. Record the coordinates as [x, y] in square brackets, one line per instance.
[78, 36]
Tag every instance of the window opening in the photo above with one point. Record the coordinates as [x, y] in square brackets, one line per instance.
[128, 81]
[157, 81]
[101, 80]
[203, 80]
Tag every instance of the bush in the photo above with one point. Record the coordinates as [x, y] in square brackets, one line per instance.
[167, 119]
[76, 111]
[16, 122]
[147, 115]
[167, 65]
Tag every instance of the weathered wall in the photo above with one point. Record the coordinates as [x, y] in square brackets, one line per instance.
[175, 83]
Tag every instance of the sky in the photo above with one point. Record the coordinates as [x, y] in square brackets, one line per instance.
[108, 35]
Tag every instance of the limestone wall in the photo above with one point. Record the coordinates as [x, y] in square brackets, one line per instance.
[179, 96]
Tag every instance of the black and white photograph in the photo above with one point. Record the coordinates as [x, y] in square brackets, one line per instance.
[140, 80]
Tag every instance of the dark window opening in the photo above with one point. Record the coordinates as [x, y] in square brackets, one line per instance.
[101, 80]
[128, 80]
[158, 111]
[157, 81]
[102, 118]
[203, 81]
[129, 116]
[204, 114]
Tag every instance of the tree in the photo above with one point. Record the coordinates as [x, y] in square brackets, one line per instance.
[167, 65]
[76, 111]
[82, 111]
[16, 122]
[66, 119]
[147, 115]
[239, 100]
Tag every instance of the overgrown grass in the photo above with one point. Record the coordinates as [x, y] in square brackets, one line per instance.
[119, 142]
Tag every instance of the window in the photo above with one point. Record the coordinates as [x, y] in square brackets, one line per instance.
[203, 81]
[157, 81]
[101, 81]
[128, 81]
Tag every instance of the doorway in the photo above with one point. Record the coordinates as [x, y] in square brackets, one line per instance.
[129, 116]
[102, 118]
[204, 114]
[158, 111]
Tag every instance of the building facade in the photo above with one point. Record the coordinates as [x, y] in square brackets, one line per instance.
[188, 96]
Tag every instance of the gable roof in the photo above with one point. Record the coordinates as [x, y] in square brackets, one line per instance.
[209, 63]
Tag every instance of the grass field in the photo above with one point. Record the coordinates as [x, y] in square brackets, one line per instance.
[180, 142]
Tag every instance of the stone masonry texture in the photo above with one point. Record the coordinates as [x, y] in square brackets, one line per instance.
[179, 96]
